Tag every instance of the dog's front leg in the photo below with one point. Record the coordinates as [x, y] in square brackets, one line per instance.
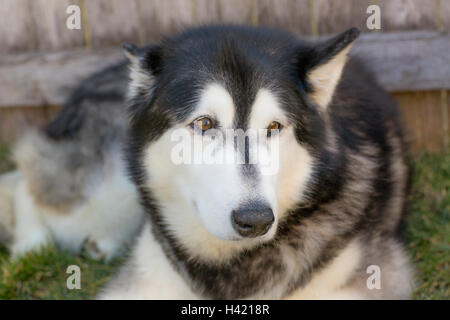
[8, 185]
[30, 232]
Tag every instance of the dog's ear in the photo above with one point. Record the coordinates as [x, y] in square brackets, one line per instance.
[145, 65]
[321, 65]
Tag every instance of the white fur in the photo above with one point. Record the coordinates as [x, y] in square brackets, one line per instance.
[107, 219]
[30, 232]
[215, 100]
[295, 162]
[152, 277]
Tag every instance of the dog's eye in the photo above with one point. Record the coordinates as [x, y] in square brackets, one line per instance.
[274, 125]
[203, 123]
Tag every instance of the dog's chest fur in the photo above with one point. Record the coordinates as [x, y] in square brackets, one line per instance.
[158, 277]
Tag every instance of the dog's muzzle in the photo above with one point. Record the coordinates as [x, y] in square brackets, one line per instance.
[252, 221]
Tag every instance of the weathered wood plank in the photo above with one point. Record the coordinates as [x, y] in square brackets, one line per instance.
[400, 15]
[165, 17]
[401, 62]
[396, 15]
[36, 25]
[112, 22]
[223, 11]
[340, 15]
[444, 15]
[407, 61]
[46, 79]
[49, 17]
[291, 15]
[423, 115]
[16, 27]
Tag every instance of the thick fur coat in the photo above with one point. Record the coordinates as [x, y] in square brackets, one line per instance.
[337, 200]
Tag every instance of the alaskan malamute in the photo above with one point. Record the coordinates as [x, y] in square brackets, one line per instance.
[323, 222]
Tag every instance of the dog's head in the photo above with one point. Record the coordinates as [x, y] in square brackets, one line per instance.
[225, 125]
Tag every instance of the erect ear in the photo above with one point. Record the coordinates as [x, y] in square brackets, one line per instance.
[145, 64]
[322, 66]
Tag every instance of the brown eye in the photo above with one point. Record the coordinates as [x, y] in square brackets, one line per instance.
[203, 123]
[274, 125]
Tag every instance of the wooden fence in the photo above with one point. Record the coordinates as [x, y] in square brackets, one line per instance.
[41, 60]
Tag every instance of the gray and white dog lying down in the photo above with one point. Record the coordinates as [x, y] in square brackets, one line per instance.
[317, 224]
[71, 186]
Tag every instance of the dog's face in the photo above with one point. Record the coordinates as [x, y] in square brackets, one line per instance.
[224, 132]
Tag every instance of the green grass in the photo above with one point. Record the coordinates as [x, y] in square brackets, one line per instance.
[43, 275]
[428, 226]
[5, 159]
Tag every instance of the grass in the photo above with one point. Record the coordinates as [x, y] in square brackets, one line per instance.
[43, 275]
[428, 226]
[5, 159]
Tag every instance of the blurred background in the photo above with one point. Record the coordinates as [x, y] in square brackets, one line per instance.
[41, 61]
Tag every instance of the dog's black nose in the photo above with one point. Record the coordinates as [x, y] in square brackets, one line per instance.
[252, 221]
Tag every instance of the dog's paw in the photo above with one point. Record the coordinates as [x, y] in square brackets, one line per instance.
[100, 250]
[92, 250]
[33, 242]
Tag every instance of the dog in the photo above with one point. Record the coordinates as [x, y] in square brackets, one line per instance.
[316, 225]
[71, 186]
